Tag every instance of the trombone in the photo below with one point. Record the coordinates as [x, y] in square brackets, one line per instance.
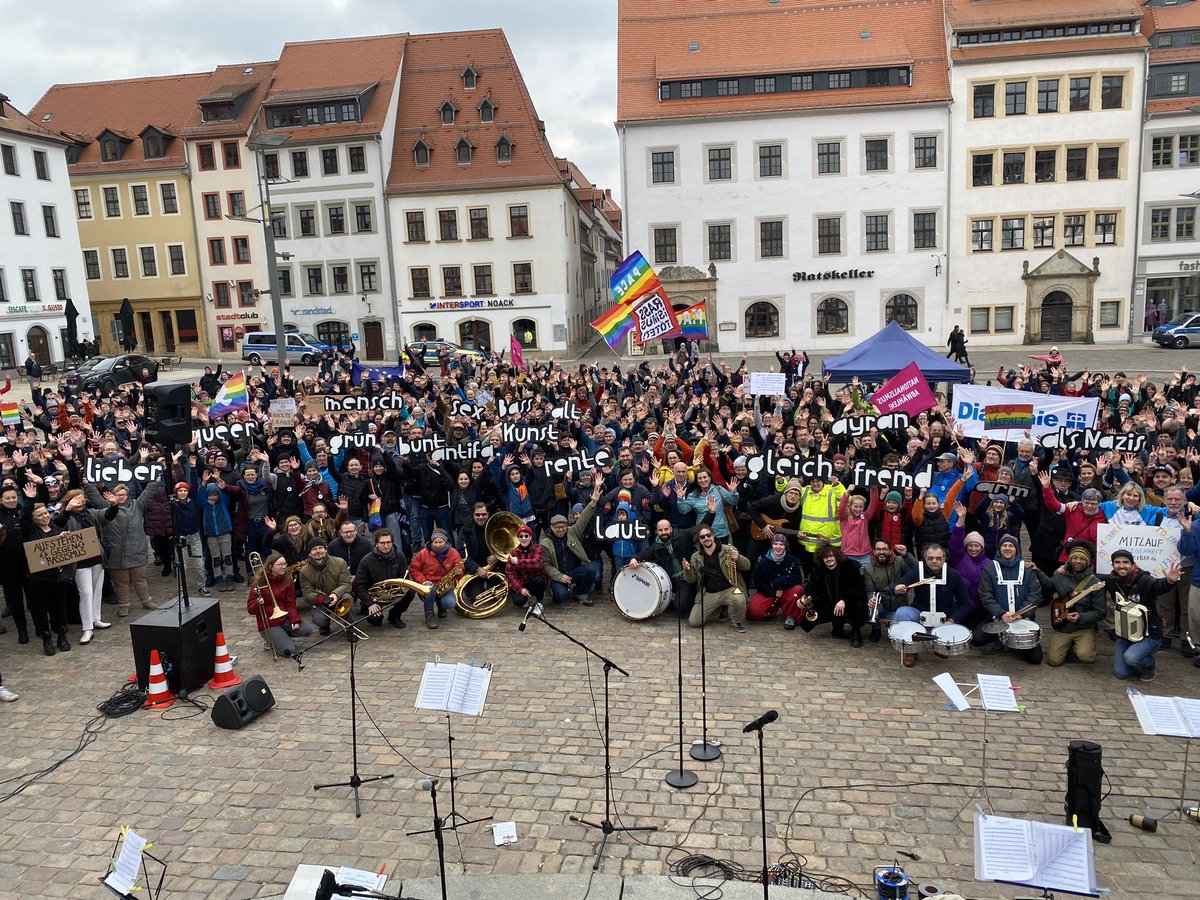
[260, 574]
[336, 609]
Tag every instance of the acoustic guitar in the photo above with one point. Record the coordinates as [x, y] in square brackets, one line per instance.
[759, 535]
[1060, 607]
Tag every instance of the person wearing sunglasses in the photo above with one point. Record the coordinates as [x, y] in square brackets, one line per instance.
[714, 570]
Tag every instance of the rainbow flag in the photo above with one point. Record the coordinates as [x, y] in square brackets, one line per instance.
[615, 324]
[230, 397]
[633, 278]
[1008, 415]
[10, 414]
[693, 321]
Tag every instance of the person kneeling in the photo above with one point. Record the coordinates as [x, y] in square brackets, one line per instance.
[1010, 592]
[1077, 630]
[778, 582]
[838, 593]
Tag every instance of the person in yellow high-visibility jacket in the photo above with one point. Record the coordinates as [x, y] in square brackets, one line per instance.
[819, 517]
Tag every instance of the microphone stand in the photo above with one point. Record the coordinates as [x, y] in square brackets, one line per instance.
[605, 825]
[680, 778]
[706, 750]
[762, 802]
[180, 575]
[438, 824]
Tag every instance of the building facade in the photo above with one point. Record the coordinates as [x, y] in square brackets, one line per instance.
[41, 269]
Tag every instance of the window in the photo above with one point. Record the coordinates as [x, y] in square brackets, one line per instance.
[448, 111]
[925, 152]
[829, 236]
[770, 239]
[802, 82]
[1162, 152]
[175, 259]
[981, 169]
[829, 158]
[877, 154]
[149, 262]
[478, 218]
[241, 249]
[877, 232]
[483, 280]
[1073, 230]
[358, 159]
[762, 320]
[981, 319]
[1048, 95]
[415, 222]
[1185, 223]
[141, 200]
[462, 152]
[924, 231]
[368, 278]
[29, 282]
[770, 161]
[120, 262]
[237, 203]
[1108, 162]
[1014, 98]
[764, 85]
[487, 111]
[284, 274]
[9, 154]
[720, 163]
[316, 279]
[350, 112]
[720, 242]
[1189, 149]
[522, 278]
[41, 165]
[170, 200]
[690, 89]
[271, 165]
[83, 203]
[1012, 234]
[1166, 40]
[1014, 167]
[984, 101]
[1106, 228]
[518, 221]
[504, 149]
[245, 292]
[1160, 224]
[308, 222]
[208, 160]
[1004, 319]
[728, 87]
[1110, 313]
[662, 167]
[901, 309]
[50, 221]
[341, 279]
[420, 282]
[112, 203]
[1171, 83]
[232, 158]
[329, 161]
[451, 281]
[839, 80]
[1077, 163]
[216, 251]
[91, 264]
[1045, 165]
[20, 226]
[221, 294]
[665, 245]
[337, 219]
[981, 236]
[212, 206]
[279, 222]
[299, 163]
[60, 283]
[362, 217]
[1112, 91]
[1081, 94]
[833, 316]
[447, 224]
[111, 150]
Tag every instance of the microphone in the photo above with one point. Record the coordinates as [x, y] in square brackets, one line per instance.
[765, 719]
[428, 784]
[534, 609]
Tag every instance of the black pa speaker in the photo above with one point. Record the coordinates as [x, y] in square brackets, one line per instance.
[242, 704]
[168, 414]
[189, 654]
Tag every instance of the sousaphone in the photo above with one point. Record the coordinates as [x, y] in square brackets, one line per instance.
[500, 534]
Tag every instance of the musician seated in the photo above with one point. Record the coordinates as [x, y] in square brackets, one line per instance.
[778, 585]
[567, 565]
[438, 567]
[273, 590]
[525, 570]
[383, 563]
[671, 546]
[942, 601]
[781, 509]
[323, 577]
[837, 592]
[1130, 589]
[713, 569]
[1077, 631]
[1009, 591]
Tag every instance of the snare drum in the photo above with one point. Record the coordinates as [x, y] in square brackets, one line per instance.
[1022, 634]
[642, 593]
[952, 640]
[901, 636]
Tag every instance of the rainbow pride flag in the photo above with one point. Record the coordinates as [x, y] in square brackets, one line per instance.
[693, 321]
[633, 278]
[232, 396]
[1008, 415]
[10, 414]
[615, 324]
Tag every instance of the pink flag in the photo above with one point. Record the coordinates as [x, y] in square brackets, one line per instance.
[907, 392]
[516, 352]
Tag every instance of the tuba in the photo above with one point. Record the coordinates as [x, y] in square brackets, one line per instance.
[482, 595]
[500, 534]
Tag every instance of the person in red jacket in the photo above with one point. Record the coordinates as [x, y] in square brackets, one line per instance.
[525, 570]
[431, 565]
[1082, 517]
[276, 591]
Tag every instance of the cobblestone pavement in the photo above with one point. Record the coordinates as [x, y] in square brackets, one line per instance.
[864, 761]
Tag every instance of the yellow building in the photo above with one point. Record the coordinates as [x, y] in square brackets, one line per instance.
[133, 203]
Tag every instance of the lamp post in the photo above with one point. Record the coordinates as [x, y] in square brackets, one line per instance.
[260, 144]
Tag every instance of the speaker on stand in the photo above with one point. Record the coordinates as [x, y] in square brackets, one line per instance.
[168, 414]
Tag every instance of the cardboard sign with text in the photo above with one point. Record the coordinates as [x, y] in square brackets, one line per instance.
[1154, 548]
[283, 412]
[771, 384]
[62, 550]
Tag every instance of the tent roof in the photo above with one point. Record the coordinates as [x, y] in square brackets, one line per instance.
[885, 353]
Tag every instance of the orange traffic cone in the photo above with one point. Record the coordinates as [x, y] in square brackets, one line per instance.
[224, 675]
[160, 697]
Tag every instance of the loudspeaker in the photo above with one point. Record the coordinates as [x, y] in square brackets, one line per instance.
[168, 414]
[189, 655]
[242, 704]
[1085, 769]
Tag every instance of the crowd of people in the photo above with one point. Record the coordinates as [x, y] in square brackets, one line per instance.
[746, 503]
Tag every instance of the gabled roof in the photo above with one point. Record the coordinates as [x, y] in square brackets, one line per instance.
[246, 83]
[737, 37]
[1172, 106]
[1170, 18]
[14, 121]
[433, 67]
[973, 15]
[125, 108]
[598, 200]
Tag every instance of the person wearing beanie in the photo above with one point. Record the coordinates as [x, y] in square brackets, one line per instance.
[624, 543]
[777, 510]
[999, 516]
[323, 577]
[1129, 587]
[1077, 631]
[1005, 590]
[967, 558]
[565, 558]
[1052, 530]
[439, 567]
[526, 570]
[292, 543]
[888, 514]
[1082, 518]
[778, 581]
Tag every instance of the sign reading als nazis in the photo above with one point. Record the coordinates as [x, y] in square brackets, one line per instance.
[1153, 547]
[1092, 439]
[62, 549]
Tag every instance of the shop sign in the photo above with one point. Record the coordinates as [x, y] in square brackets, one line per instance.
[1193, 266]
[236, 317]
[494, 303]
[16, 310]
[54, 307]
[312, 311]
[833, 274]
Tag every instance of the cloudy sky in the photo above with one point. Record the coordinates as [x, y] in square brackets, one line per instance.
[566, 51]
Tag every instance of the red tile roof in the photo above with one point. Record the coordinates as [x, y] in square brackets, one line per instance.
[1167, 55]
[14, 121]
[227, 83]
[735, 37]
[1103, 43]
[1169, 18]
[1172, 106]
[972, 15]
[597, 199]
[125, 107]
[433, 68]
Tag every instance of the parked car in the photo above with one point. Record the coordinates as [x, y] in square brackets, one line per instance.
[302, 348]
[430, 351]
[107, 373]
[1182, 331]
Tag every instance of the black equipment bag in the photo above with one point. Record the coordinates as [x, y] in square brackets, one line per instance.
[1084, 772]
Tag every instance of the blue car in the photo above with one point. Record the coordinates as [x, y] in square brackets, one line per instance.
[1182, 331]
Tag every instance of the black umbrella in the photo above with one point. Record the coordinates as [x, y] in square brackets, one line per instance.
[72, 329]
[128, 340]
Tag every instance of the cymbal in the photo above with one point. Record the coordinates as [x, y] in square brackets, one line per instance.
[999, 626]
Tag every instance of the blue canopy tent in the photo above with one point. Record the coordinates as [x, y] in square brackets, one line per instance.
[885, 353]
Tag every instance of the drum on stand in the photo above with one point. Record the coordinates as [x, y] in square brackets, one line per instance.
[642, 593]
[901, 636]
[952, 640]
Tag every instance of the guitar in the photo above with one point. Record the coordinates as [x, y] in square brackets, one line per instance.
[776, 525]
[1060, 607]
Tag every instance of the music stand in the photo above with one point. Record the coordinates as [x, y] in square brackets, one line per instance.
[152, 893]
[995, 692]
[1171, 717]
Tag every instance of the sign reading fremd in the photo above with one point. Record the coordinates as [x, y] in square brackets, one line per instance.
[1050, 412]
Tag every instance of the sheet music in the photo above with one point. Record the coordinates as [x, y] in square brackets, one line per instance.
[1003, 849]
[361, 878]
[504, 833]
[1039, 854]
[456, 688]
[435, 686]
[1162, 715]
[129, 863]
[996, 692]
[1064, 860]
[1191, 713]
[946, 682]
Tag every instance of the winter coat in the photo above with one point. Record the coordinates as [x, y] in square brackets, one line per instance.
[123, 531]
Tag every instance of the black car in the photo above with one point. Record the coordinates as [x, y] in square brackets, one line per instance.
[103, 374]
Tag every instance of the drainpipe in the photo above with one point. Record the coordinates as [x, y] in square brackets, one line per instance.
[387, 232]
[624, 192]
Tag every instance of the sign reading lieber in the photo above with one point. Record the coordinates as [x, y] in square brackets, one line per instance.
[62, 550]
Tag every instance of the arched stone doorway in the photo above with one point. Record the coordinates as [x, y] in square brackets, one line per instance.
[1056, 316]
[1059, 299]
[39, 343]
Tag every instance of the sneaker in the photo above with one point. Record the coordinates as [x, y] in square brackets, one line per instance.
[101, 624]
[789, 624]
[86, 637]
[7, 696]
[239, 578]
[123, 610]
[205, 592]
[584, 599]
[738, 627]
[210, 580]
[1148, 674]
[151, 604]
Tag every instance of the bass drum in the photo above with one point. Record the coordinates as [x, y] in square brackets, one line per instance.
[642, 593]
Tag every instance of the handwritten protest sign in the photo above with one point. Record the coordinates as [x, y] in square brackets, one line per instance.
[283, 412]
[770, 384]
[1153, 547]
[62, 550]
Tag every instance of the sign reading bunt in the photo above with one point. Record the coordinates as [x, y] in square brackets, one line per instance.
[62, 550]
[1153, 547]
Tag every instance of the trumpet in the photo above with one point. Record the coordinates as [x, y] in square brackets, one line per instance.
[262, 579]
[733, 578]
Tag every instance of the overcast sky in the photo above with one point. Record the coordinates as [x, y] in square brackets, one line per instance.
[566, 51]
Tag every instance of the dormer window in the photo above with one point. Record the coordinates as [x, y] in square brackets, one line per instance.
[504, 149]
[73, 152]
[110, 150]
[462, 152]
[421, 153]
[448, 111]
[469, 77]
[487, 111]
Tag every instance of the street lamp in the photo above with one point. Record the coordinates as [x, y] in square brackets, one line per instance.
[260, 144]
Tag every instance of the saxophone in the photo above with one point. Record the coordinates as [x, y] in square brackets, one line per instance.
[446, 583]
